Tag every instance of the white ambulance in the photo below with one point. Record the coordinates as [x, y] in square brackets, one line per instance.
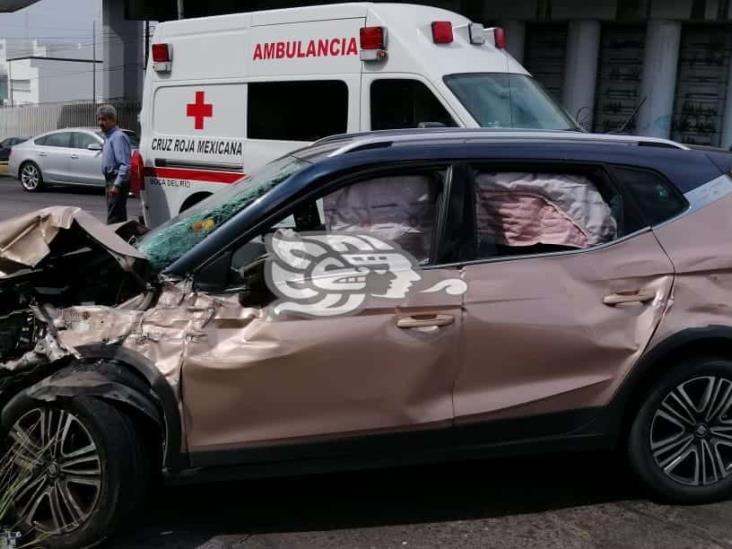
[226, 94]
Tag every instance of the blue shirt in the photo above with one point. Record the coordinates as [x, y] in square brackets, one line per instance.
[116, 154]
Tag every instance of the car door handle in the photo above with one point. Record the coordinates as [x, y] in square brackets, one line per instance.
[42, 154]
[632, 296]
[74, 156]
[425, 321]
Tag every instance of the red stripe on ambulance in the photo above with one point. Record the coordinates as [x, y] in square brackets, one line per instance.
[210, 176]
[328, 47]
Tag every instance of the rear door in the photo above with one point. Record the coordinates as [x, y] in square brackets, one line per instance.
[85, 166]
[565, 290]
[54, 156]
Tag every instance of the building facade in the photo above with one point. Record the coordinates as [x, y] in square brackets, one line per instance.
[33, 72]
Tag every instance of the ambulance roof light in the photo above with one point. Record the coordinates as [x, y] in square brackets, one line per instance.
[442, 32]
[162, 56]
[476, 32]
[499, 37]
[373, 43]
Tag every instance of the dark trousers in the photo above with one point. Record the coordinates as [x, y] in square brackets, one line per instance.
[116, 204]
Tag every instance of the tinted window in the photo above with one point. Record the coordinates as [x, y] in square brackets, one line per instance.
[519, 213]
[83, 140]
[297, 111]
[405, 104]
[6, 142]
[658, 199]
[396, 208]
[62, 139]
[132, 136]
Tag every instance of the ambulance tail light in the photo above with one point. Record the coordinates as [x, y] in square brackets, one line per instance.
[373, 43]
[162, 56]
[442, 32]
[137, 173]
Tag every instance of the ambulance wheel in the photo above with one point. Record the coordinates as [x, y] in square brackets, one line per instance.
[193, 200]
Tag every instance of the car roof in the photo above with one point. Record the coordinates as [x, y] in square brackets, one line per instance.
[687, 169]
[87, 129]
[496, 135]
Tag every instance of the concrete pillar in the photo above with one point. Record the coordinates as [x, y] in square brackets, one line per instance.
[580, 69]
[658, 86]
[122, 53]
[515, 37]
[726, 142]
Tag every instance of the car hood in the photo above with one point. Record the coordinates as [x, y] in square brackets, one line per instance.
[29, 240]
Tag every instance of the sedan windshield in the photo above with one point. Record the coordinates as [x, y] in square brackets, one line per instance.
[500, 100]
[168, 242]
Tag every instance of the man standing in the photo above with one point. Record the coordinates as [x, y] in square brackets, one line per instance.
[116, 155]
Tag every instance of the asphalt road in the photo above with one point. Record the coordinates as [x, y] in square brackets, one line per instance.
[568, 501]
[15, 201]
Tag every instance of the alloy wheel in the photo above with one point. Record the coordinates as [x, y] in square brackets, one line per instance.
[58, 467]
[30, 177]
[691, 431]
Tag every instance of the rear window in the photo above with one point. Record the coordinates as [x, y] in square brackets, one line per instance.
[297, 111]
[659, 201]
[62, 139]
[508, 101]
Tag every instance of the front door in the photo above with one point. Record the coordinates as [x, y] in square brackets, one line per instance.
[565, 290]
[354, 343]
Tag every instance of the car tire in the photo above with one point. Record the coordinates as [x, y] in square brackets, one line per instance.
[95, 468]
[31, 178]
[680, 440]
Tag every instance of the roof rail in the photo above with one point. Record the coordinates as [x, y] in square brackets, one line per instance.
[359, 141]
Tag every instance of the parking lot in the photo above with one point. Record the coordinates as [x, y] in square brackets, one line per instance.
[556, 501]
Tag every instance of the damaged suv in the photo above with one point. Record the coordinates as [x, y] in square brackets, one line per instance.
[376, 299]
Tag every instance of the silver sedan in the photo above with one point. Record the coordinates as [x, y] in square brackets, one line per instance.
[72, 156]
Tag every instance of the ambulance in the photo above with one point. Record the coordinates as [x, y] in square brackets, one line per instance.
[224, 95]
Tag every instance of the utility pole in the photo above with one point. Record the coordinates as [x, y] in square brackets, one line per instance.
[94, 61]
[10, 81]
[147, 41]
[180, 9]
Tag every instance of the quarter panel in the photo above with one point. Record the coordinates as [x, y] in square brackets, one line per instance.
[699, 247]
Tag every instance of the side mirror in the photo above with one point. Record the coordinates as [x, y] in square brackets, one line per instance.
[254, 291]
[94, 147]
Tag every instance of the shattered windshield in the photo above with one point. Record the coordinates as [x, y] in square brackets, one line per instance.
[168, 242]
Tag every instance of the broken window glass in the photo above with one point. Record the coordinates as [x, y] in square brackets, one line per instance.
[170, 241]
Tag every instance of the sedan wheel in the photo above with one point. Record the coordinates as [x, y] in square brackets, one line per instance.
[30, 177]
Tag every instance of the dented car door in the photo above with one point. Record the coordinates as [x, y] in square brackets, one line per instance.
[366, 345]
[565, 293]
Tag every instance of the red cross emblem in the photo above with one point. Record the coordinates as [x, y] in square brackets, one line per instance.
[199, 110]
